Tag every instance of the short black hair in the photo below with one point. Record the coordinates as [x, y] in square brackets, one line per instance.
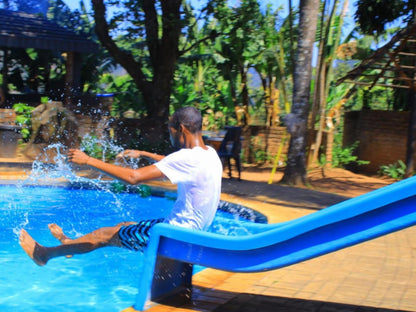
[188, 116]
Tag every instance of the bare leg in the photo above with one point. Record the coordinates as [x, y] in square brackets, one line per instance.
[32, 248]
[102, 237]
[58, 233]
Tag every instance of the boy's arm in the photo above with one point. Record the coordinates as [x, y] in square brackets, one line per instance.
[129, 175]
[137, 154]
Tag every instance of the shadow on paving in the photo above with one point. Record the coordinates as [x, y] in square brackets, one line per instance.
[223, 301]
[279, 194]
[251, 303]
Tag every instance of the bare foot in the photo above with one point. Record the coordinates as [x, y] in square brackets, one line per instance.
[32, 248]
[58, 233]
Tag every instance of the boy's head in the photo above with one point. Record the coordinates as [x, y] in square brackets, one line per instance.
[189, 117]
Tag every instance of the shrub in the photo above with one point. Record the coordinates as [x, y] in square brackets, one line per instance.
[341, 157]
[395, 171]
[24, 119]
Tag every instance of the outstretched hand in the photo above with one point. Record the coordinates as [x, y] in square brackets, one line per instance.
[130, 153]
[78, 157]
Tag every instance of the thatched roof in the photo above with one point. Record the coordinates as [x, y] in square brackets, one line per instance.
[23, 30]
[393, 65]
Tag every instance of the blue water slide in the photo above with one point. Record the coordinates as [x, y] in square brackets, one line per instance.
[172, 251]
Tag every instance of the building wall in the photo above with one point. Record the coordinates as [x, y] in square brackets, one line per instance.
[269, 140]
[382, 137]
[261, 144]
[7, 116]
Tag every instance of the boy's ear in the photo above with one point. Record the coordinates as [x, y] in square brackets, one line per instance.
[182, 128]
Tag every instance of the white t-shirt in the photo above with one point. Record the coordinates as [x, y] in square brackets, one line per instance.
[198, 174]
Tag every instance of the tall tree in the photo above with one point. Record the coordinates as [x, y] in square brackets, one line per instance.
[274, 64]
[153, 74]
[297, 120]
[240, 43]
[329, 40]
[373, 16]
[198, 81]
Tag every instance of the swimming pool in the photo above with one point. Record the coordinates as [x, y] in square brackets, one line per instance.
[104, 280]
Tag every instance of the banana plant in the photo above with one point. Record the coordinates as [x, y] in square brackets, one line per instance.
[329, 35]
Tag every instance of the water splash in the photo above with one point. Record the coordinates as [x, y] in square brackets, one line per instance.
[52, 170]
[57, 170]
[21, 225]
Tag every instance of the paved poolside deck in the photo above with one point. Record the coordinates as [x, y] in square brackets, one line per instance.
[379, 275]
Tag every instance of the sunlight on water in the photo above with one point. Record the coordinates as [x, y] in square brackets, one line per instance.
[102, 278]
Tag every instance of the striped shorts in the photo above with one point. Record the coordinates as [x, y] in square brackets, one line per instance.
[135, 236]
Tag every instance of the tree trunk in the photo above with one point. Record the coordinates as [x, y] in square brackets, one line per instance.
[320, 63]
[322, 109]
[292, 45]
[244, 93]
[323, 77]
[296, 121]
[72, 81]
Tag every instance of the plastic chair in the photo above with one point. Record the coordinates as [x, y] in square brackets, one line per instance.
[231, 148]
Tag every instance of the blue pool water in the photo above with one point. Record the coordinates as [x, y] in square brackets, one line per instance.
[104, 280]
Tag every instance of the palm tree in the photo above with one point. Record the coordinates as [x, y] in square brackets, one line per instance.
[329, 35]
[274, 66]
[240, 43]
[297, 120]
